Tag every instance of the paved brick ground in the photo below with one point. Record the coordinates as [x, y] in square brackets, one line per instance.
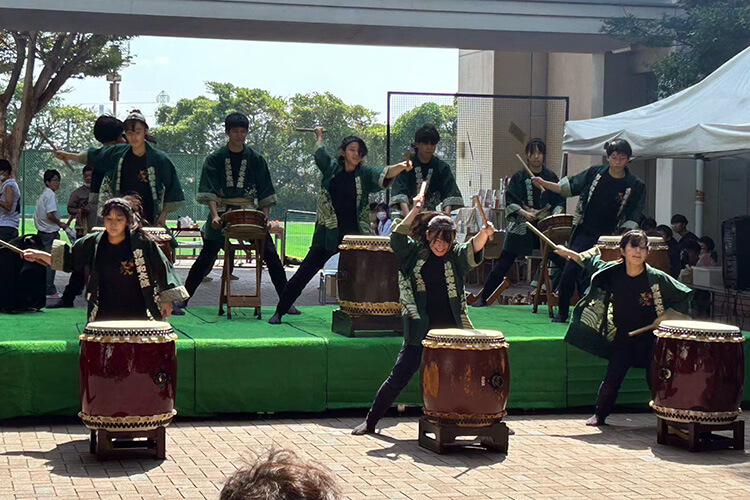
[550, 457]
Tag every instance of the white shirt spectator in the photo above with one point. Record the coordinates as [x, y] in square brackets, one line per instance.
[47, 204]
[10, 218]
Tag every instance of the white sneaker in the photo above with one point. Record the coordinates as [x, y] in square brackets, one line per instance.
[56, 295]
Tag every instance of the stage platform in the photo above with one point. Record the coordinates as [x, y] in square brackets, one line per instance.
[245, 365]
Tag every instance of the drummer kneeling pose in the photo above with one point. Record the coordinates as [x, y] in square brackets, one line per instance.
[432, 269]
[130, 276]
[625, 296]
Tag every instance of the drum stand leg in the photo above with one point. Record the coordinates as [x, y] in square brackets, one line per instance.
[696, 436]
[106, 444]
[493, 437]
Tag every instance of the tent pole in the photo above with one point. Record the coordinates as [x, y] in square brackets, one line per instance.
[700, 165]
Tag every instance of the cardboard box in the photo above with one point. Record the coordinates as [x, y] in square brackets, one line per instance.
[711, 277]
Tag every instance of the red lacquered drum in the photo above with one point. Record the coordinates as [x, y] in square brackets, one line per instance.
[128, 375]
[465, 377]
[254, 217]
[368, 276]
[697, 372]
[658, 251]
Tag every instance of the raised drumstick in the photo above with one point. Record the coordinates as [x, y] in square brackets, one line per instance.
[54, 148]
[306, 130]
[642, 330]
[481, 213]
[546, 240]
[10, 247]
[528, 169]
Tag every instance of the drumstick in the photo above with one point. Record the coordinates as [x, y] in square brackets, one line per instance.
[548, 241]
[481, 214]
[642, 330]
[54, 148]
[306, 130]
[11, 247]
[528, 169]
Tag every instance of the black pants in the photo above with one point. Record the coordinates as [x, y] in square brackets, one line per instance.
[500, 268]
[314, 262]
[206, 259]
[572, 271]
[624, 356]
[75, 286]
[407, 364]
[7, 233]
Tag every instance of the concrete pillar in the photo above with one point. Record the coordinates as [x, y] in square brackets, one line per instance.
[664, 185]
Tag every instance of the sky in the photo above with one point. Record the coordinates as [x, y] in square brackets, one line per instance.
[357, 74]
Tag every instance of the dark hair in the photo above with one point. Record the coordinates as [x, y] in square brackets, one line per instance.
[634, 238]
[427, 134]
[678, 218]
[648, 224]
[87, 168]
[134, 117]
[618, 146]
[440, 226]
[350, 139]
[690, 245]
[663, 228]
[235, 120]
[281, 476]
[108, 129]
[5, 165]
[51, 174]
[536, 144]
[120, 205]
[706, 240]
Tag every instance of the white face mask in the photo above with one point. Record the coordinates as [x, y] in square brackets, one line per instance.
[2, 177]
[381, 215]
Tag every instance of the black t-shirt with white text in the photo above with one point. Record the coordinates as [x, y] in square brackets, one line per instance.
[601, 211]
[633, 303]
[120, 295]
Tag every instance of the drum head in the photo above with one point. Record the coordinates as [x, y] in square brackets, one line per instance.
[134, 327]
[366, 242]
[699, 330]
[459, 335]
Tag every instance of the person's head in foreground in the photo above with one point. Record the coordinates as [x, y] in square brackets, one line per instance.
[425, 141]
[435, 230]
[352, 151]
[634, 247]
[282, 475]
[118, 217]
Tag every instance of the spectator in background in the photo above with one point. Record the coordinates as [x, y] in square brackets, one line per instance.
[281, 476]
[384, 221]
[48, 223]
[648, 225]
[10, 202]
[690, 252]
[679, 229]
[674, 249]
[707, 256]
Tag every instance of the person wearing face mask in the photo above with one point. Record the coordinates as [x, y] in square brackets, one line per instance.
[441, 185]
[432, 270]
[609, 197]
[10, 202]
[343, 208]
[384, 220]
[625, 295]
[137, 167]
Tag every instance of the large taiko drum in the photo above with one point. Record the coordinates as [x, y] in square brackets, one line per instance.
[465, 377]
[128, 375]
[556, 227]
[658, 251]
[697, 372]
[253, 217]
[368, 276]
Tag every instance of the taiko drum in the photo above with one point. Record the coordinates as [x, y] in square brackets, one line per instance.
[658, 251]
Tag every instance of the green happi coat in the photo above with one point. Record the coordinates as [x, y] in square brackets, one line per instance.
[366, 179]
[441, 187]
[592, 327]
[162, 177]
[412, 255]
[518, 238]
[251, 189]
[584, 184]
[159, 282]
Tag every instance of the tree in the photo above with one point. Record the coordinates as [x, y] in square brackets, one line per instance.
[445, 119]
[39, 64]
[702, 37]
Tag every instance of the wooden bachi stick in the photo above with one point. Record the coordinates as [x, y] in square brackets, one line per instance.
[528, 169]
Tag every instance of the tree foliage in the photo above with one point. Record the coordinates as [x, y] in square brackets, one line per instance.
[702, 36]
[34, 67]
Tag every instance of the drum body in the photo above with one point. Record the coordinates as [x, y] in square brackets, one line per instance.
[159, 235]
[254, 217]
[128, 375]
[555, 221]
[368, 276]
[658, 251]
[465, 377]
[698, 372]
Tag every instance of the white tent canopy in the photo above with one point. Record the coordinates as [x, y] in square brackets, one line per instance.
[711, 118]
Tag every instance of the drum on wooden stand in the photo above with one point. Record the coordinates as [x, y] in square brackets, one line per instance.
[245, 216]
[697, 372]
[465, 377]
[367, 286]
[465, 385]
[128, 377]
[658, 251]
